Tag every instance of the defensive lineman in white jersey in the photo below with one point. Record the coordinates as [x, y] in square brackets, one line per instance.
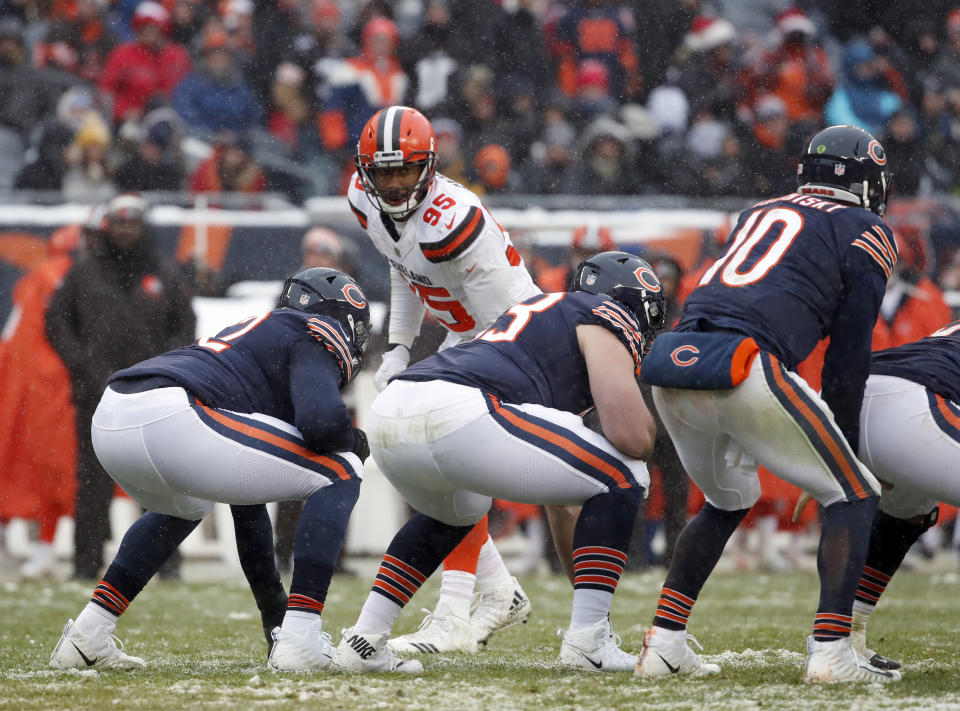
[447, 256]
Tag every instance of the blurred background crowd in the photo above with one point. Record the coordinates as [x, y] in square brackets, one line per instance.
[598, 97]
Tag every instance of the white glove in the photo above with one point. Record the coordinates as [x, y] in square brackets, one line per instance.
[395, 361]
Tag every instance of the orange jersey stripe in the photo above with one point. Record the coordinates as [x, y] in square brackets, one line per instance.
[598, 565]
[574, 449]
[832, 446]
[600, 550]
[250, 431]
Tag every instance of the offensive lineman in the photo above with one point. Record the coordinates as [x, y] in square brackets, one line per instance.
[811, 264]
[249, 416]
[496, 417]
[447, 256]
[910, 438]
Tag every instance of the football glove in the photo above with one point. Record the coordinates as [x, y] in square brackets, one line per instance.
[360, 446]
[395, 361]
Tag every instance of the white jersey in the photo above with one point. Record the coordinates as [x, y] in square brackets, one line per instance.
[450, 258]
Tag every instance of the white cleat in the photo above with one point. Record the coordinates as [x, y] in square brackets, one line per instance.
[665, 652]
[81, 649]
[503, 607]
[858, 636]
[441, 631]
[361, 652]
[307, 652]
[595, 649]
[837, 660]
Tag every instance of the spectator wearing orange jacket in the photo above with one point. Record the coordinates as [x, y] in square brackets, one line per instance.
[37, 431]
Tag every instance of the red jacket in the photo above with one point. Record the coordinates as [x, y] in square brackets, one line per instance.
[133, 73]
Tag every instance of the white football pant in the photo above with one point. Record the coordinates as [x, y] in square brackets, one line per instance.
[175, 456]
[910, 437]
[450, 449]
[774, 419]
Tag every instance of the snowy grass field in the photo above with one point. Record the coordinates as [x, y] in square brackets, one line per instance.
[205, 650]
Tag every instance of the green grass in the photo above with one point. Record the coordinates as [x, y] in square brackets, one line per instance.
[205, 651]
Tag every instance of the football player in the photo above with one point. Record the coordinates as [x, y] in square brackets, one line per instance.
[495, 417]
[797, 268]
[909, 438]
[249, 416]
[449, 257]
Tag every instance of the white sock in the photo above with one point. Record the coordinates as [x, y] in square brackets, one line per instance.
[861, 613]
[589, 607]
[491, 570]
[299, 622]
[377, 614]
[456, 591]
[95, 617]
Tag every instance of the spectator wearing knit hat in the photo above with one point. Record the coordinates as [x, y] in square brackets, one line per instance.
[864, 98]
[149, 66]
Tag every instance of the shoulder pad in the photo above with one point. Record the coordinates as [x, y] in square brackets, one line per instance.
[880, 244]
[461, 237]
[332, 336]
[623, 324]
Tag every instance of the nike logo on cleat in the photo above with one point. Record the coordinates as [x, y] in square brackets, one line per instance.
[874, 670]
[597, 665]
[673, 669]
[86, 660]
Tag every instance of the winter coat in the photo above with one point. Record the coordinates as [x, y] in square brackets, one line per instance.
[213, 104]
[134, 73]
[115, 309]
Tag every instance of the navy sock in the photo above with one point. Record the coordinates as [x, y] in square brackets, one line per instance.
[890, 539]
[601, 538]
[699, 547]
[144, 549]
[316, 547]
[254, 534]
[417, 550]
[844, 538]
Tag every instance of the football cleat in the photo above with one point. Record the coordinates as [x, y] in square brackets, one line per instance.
[361, 652]
[836, 660]
[81, 649]
[291, 652]
[440, 631]
[595, 649]
[858, 636]
[666, 652]
[503, 607]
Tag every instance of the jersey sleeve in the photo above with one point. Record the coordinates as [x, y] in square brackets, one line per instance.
[622, 324]
[331, 336]
[320, 414]
[874, 248]
[406, 312]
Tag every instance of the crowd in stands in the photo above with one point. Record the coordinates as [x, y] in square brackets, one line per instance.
[595, 97]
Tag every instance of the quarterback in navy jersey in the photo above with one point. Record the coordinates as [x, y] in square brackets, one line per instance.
[796, 269]
[249, 416]
[909, 438]
[498, 417]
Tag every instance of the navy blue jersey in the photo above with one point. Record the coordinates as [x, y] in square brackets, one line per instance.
[531, 353]
[933, 362]
[798, 269]
[284, 363]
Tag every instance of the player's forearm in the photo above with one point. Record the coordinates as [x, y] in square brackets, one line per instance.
[406, 312]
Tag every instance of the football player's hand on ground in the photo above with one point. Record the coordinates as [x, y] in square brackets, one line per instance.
[395, 361]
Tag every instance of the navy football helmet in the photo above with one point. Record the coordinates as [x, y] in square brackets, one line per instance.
[629, 280]
[330, 292]
[847, 164]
